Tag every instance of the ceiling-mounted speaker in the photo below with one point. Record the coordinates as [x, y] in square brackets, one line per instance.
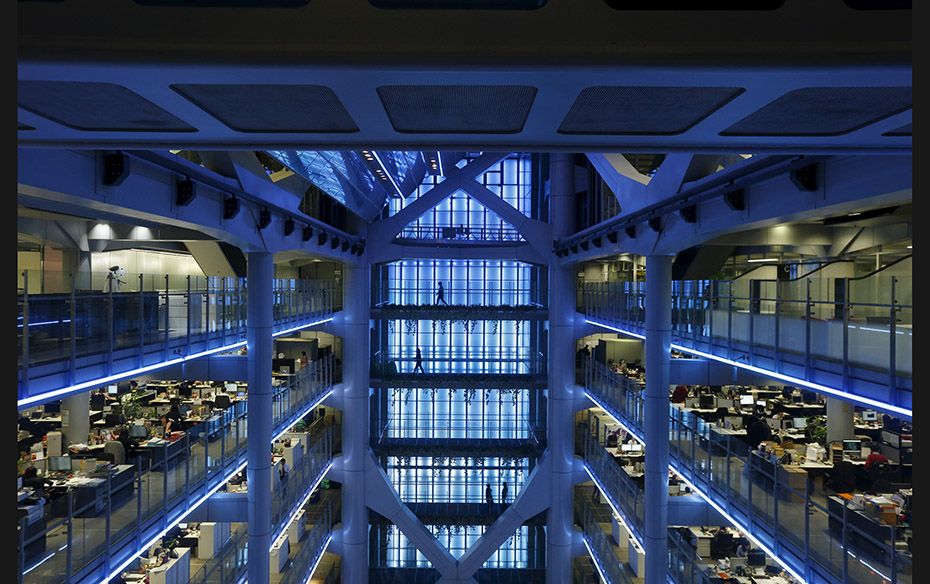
[597, 241]
[574, 248]
[321, 238]
[288, 226]
[585, 245]
[307, 233]
[115, 168]
[230, 207]
[630, 231]
[264, 218]
[805, 178]
[689, 213]
[334, 243]
[735, 200]
[655, 223]
[185, 191]
[612, 236]
[345, 245]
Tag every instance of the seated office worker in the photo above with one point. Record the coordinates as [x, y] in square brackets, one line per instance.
[172, 419]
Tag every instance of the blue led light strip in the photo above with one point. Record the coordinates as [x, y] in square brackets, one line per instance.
[174, 523]
[319, 559]
[781, 376]
[619, 515]
[597, 564]
[154, 366]
[301, 505]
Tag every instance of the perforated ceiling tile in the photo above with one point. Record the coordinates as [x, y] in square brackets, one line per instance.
[905, 130]
[272, 108]
[643, 110]
[457, 109]
[823, 111]
[96, 107]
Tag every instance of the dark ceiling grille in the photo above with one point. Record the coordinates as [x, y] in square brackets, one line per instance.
[643, 110]
[96, 107]
[460, 4]
[272, 108]
[457, 109]
[823, 111]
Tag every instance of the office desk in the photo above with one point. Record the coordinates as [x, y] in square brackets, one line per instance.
[865, 524]
[89, 499]
[728, 431]
[701, 541]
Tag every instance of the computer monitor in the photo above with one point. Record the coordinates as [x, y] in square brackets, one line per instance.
[53, 407]
[707, 401]
[755, 558]
[626, 447]
[800, 423]
[97, 401]
[869, 416]
[185, 390]
[636, 447]
[137, 431]
[232, 388]
[852, 446]
[761, 402]
[123, 387]
[113, 389]
[746, 400]
[682, 488]
[283, 365]
[59, 463]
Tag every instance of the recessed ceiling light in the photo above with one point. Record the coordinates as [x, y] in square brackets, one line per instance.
[910, 247]
[854, 214]
[754, 261]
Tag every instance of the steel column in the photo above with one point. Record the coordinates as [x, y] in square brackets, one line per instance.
[356, 311]
[658, 352]
[259, 324]
[561, 372]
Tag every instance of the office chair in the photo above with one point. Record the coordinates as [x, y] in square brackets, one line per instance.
[842, 478]
[116, 449]
[221, 401]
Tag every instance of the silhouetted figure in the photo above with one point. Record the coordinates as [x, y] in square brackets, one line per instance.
[504, 494]
[489, 497]
[441, 295]
[419, 362]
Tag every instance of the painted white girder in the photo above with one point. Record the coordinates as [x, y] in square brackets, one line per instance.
[845, 184]
[71, 180]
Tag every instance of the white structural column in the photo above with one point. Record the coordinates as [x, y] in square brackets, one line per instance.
[561, 357]
[259, 311]
[357, 313]
[75, 418]
[840, 424]
[658, 353]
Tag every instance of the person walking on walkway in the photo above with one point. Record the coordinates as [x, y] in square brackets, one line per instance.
[441, 296]
[419, 362]
[489, 497]
[504, 495]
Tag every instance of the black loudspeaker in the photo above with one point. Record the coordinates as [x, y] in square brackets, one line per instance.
[115, 168]
[288, 226]
[689, 213]
[655, 223]
[264, 218]
[185, 192]
[230, 207]
[736, 200]
[630, 231]
[307, 234]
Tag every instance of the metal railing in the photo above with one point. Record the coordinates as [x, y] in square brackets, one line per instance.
[841, 332]
[818, 538]
[461, 233]
[227, 566]
[313, 545]
[90, 332]
[90, 532]
[600, 547]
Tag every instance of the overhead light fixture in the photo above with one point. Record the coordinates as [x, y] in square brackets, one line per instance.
[760, 260]
[853, 214]
[910, 247]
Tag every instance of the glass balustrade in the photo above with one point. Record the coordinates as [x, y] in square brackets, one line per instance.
[602, 550]
[313, 544]
[94, 525]
[850, 333]
[101, 326]
[822, 536]
[228, 565]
